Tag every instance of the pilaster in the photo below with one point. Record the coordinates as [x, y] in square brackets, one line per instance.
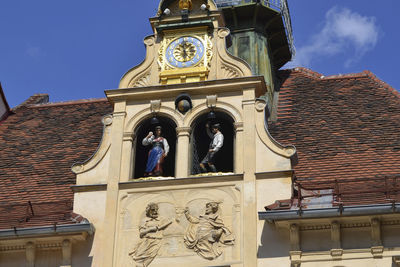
[66, 253]
[128, 157]
[238, 161]
[112, 184]
[249, 179]
[182, 157]
[30, 250]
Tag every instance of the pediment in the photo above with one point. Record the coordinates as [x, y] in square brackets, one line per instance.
[182, 51]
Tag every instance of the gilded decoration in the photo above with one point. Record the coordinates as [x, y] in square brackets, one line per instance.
[185, 56]
[186, 51]
[185, 4]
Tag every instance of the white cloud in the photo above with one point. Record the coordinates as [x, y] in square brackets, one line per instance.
[33, 51]
[344, 32]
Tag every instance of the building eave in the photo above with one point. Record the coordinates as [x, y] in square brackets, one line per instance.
[341, 211]
[45, 231]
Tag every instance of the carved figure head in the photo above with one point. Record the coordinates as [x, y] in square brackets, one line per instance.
[211, 207]
[215, 128]
[158, 130]
[152, 210]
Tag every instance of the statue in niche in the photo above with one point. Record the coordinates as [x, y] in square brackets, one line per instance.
[207, 233]
[157, 153]
[215, 145]
[151, 234]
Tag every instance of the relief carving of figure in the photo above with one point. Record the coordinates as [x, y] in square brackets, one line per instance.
[157, 153]
[207, 234]
[215, 145]
[151, 234]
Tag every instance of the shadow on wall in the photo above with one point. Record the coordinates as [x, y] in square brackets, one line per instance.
[81, 252]
[274, 242]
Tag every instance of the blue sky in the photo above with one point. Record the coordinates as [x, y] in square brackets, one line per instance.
[77, 49]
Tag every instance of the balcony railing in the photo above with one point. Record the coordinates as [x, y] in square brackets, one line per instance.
[279, 5]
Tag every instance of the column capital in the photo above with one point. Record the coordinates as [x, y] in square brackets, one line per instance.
[129, 136]
[238, 126]
[183, 131]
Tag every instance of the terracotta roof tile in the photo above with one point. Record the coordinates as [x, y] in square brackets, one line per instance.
[39, 144]
[344, 127]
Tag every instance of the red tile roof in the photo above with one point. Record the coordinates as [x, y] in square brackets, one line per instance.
[39, 144]
[346, 129]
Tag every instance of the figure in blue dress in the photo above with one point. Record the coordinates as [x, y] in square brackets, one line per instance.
[157, 153]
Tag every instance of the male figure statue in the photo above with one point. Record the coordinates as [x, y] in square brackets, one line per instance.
[150, 232]
[207, 233]
[215, 145]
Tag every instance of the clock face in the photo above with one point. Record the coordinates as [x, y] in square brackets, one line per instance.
[184, 52]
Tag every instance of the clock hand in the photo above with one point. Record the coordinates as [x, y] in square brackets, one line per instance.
[184, 50]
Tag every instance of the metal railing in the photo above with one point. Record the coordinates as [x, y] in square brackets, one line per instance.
[279, 5]
[383, 190]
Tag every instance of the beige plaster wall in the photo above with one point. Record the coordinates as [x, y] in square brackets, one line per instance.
[91, 205]
[271, 189]
[81, 253]
[273, 246]
[97, 175]
[268, 160]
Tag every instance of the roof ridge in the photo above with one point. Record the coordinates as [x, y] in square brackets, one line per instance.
[308, 71]
[33, 99]
[383, 84]
[318, 75]
[69, 102]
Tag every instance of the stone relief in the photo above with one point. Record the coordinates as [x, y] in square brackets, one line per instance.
[151, 234]
[215, 207]
[207, 233]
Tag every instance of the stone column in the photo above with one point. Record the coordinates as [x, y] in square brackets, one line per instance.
[249, 205]
[109, 226]
[238, 149]
[182, 152]
[128, 157]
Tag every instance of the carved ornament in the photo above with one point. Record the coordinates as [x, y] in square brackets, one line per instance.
[155, 105]
[211, 101]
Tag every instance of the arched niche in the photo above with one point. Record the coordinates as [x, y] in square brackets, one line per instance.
[200, 142]
[141, 151]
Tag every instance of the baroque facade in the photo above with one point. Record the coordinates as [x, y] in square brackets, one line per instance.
[183, 164]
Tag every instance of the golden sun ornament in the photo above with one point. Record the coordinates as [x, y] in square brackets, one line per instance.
[185, 4]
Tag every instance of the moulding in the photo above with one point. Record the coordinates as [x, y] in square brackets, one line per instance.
[180, 181]
[139, 75]
[264, 135]
[231, 66]
[101, 151]
[88, 188]
[274, 174]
